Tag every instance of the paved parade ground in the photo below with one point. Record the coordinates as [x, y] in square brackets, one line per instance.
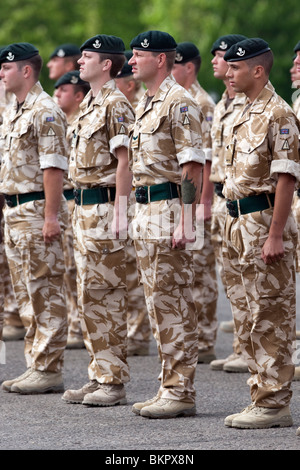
[45, 422]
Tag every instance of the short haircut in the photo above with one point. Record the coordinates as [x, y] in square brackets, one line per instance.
[118, 60]
[82, 87]
[35, 62]
[170, 58]
[74, 60]
[265, 60]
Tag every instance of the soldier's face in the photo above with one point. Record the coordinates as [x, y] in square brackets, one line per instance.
[220, 65]
[90, 66]
[57, 67]
[144, 65]
[11, 76]
[240, 76]
[65, 97]
[179, 73]
[297, 61]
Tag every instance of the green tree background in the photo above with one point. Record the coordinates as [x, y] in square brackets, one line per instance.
[48, 24]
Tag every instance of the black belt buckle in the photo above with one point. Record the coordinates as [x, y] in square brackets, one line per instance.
[77, 196]
[141, 195]
[232, 208]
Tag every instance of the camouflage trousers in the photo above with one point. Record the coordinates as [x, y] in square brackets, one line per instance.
[219, 211]
[37, 271]
[296, 212]
[74, 326]
[1, 288]
[205, 291]
[168, 277]
[102, 292]
[263, 304]
[138, 325]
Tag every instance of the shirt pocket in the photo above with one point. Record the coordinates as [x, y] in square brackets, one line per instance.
[19, 144]
[251, 159]
[92, 146]
[155, 142]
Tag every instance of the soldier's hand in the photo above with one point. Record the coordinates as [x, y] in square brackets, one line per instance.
[273, 250]
[51, 229]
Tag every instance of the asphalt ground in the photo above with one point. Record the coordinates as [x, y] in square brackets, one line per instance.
[45, 422]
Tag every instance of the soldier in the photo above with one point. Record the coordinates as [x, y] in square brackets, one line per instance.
[100, 173]
[185, 70]
[138, 326]
[35, 215]
[167, 160]
[225, 113]
[63, 59]
[70, 91]
[262, 166]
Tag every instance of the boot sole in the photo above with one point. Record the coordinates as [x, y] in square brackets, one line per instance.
[56, 389]
[123, 401]
[183, 413]
[280, 424]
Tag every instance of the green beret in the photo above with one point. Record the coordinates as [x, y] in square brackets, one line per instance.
[223, 43]
[18, 51]
[154, 41]
[65, 50]
[72, 77]
[297, 47]
[186, 51]
[105, 44]
[246, 49]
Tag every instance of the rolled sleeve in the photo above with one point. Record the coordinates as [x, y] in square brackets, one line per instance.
[191, 155]
[53, 161]
[285, 166]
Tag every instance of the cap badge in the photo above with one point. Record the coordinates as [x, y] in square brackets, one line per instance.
[223, 45]
[145, 43]
[240, 52]
[74, 80]
[10, 56]
[61, 53]
[179, 57]
[97, 44]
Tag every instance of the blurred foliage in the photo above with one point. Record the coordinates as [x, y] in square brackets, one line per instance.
[48, 24]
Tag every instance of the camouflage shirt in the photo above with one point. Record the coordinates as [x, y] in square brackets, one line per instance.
[264, 142]
[101, 128]
[225, 114]
[33, 138]
[206, 104]
[165, 135]
[296, 105]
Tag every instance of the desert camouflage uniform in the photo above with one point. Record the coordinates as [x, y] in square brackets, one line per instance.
[264, 142]
[8, 307]
[74, 326]
[205, 287]
[225, 114]
[102, 127]
[166, 135]
[33, 140]
[296, 199]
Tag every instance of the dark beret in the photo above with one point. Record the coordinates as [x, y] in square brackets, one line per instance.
[18, 51]
[105, 44]
[186, 51]
[72, 77]
[297, 47]
[223, 43]
[126, 71]
[246, 49]
[154, 41]
[65, 50]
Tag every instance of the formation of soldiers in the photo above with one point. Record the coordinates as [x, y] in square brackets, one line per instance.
[124, 193]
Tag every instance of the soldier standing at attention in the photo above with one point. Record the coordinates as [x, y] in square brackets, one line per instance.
[262, 167]
[185, 70]
[225, 114]
[167, 160]
[70, 91]
[99, 171]
[35, 215]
